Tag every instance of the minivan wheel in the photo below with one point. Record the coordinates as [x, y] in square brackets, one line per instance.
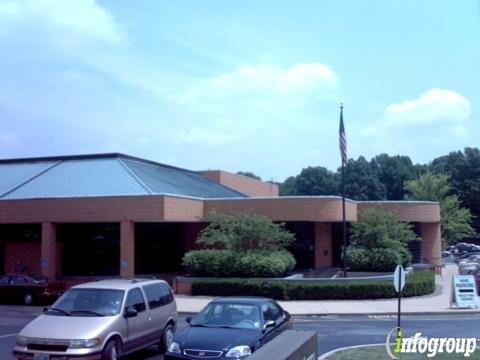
[28, 299]
[110, 352]
[167, 338]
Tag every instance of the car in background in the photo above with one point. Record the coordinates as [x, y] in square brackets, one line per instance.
[229, 328]
[471, 258]
[101, 320]
[29, 289]
[465, 256]
[468, 268]
[462, 250]
[476, 274]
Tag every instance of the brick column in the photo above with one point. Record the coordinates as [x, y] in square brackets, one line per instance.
[323, 245]
[432, 244]
[48, 262]
[127, 249]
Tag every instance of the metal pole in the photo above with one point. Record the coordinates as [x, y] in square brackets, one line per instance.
[399, 297]
[344, 224]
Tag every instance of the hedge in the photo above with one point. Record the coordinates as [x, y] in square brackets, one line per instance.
[228, 263]
[417, 284]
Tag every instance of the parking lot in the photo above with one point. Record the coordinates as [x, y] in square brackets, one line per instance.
[333, 331]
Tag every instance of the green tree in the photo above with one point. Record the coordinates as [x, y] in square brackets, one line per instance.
[312, 181]
[392, 172]
[361, 181]
[428, 187]
[464, 171]
[378, 229]
[249, 174]
[243, 232]
[288, 187]
[379, 241]
[455, 220]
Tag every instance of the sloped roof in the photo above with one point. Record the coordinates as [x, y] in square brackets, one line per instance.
[101, 175]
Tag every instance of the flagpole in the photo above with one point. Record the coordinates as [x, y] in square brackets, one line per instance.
[344, 223]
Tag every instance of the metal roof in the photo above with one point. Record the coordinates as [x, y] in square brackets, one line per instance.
[101, 175]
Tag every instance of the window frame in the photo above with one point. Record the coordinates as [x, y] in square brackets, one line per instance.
[143, 299]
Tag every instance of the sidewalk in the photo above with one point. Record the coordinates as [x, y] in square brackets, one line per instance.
[439, 302]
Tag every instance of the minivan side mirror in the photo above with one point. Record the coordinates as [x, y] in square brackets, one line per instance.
[268, 324]
[189, 319]
[130, 312]
[45, 309]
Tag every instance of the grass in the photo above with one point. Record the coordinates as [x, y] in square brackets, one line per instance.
[379, 353]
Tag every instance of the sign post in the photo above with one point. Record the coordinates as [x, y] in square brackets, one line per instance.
[399, 283]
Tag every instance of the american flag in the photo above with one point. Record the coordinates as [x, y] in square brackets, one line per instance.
[342, 138]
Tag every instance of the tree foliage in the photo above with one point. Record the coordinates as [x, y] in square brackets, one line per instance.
[392, 172]
[313, 181]
[243, 232]
[249, 174]
[428, 187]
[463, 169]
[384, 176]
[379, 242]
[361, 181]
[455, 220]
[378, 229]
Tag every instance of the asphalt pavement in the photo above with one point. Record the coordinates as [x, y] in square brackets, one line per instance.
[333, 331]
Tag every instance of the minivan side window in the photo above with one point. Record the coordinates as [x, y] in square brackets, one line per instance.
[158, 295]
[135, 299]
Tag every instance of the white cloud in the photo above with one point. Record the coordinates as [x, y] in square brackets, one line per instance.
[263, 82]
[439, 107]
[432, 106]
[82, 18]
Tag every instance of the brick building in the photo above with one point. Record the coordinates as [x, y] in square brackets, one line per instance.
[112, 214]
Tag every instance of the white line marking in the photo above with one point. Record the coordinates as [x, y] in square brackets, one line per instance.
[7, 335]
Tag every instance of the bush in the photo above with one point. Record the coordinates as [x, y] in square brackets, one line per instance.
[358, 259]
[228, 263]
[384, 259]
[378, 259]
[417, 284]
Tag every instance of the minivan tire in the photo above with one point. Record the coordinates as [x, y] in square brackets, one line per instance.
[167, 338]
[110, 352]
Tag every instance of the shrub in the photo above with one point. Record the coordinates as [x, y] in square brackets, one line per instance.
[417, 284]
[243, 232]
[384, 259]
[378, 259]
[358, 259]
[228, 263]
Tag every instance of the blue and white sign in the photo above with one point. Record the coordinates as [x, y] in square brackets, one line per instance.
[464, 291]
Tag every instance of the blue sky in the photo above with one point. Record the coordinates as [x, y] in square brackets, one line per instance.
[239, 85]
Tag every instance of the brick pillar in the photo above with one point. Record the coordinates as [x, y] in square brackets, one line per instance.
[127, 249]
[323, 245]
[432, 244]
[49, 250]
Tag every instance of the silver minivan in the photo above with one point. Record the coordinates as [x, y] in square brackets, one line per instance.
[101, 320]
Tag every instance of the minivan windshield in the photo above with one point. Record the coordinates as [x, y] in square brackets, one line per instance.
[229, 315]
[88, 302]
